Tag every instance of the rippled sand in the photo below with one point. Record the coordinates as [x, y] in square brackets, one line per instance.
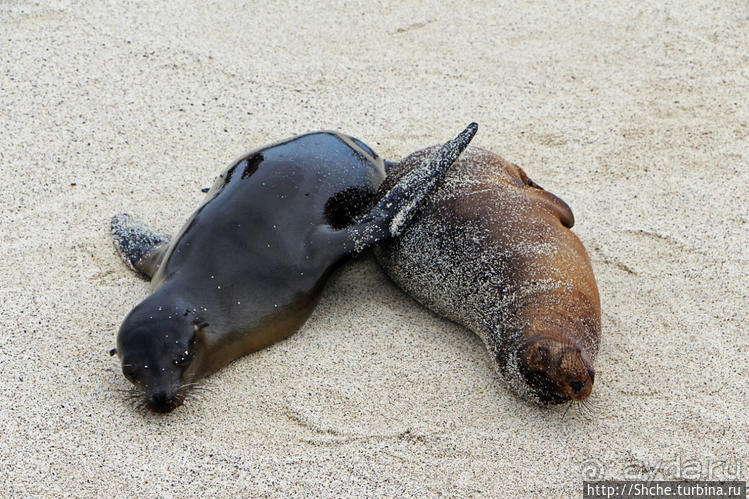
[635, 114]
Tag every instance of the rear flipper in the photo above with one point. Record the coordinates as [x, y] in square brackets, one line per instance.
[141, 248]
[398, 206]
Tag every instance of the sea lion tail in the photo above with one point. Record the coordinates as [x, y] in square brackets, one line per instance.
[399, 205]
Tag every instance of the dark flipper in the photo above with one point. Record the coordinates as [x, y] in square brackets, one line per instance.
[398, 206]
[141, 248]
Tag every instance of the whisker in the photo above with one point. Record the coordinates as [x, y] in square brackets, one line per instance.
[196, 387]
[202, 389]
[198, 395]
[588, 413]
[124, 390]
[589, 407]
[569, 404]
[190, 398]
[583, 411]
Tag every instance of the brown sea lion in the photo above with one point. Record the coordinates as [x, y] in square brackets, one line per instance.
[493, 251]
[250, 263]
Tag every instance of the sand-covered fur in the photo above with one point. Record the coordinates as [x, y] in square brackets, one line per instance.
[635, 113]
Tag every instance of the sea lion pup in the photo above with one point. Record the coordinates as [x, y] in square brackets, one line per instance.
[248, 267]
[491, 250]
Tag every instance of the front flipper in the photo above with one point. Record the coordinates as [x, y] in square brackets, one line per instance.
[141, 248]
[398, 206]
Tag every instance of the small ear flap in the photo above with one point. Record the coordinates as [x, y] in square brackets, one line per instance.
[199, 326]
[112, 352]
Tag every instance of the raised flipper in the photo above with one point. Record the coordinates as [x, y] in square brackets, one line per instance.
[141, 248]
[398, 206]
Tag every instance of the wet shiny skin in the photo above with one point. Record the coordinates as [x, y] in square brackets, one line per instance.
[249, 265]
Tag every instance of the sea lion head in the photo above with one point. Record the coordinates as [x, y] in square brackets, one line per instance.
[159, 356]
[556, 370]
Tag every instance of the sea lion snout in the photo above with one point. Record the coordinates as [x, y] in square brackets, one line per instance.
[558, 371]
[157, 356]
[163, 400]
[160, 388]
[575, 374]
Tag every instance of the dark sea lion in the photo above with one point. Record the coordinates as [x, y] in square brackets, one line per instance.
[493, 251]
[248, 267]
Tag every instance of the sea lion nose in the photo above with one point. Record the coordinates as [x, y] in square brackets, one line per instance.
[577, 385]
[160, 401]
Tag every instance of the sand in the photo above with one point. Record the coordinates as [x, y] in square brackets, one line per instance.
[635, 113]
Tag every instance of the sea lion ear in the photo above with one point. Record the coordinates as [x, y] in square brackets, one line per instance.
[113, 352]
[198, 326]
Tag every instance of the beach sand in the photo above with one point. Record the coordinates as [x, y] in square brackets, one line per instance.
[635, 114]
